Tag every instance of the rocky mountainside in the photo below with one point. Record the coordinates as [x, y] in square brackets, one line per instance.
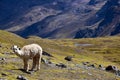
[63, 59]
[105, 22]
[60, 18]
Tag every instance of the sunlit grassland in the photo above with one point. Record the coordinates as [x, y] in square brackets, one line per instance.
[103, 51]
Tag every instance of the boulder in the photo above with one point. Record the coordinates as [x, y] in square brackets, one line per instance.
[101, 67]
[21, 77]
[3, 74]
[85, 63]
[0, 45]
[111, 68]
[3, 59]
[91, 65]
[61, 65]
[68, 58]
[45, 61]
[118, 73]
[47, 54]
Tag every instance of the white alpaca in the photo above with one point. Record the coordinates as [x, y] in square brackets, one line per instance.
[33, 51]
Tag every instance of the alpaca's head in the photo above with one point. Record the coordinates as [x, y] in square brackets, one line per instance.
[15, 48]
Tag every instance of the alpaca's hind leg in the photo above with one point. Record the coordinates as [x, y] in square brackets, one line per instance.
[26, 65]
[34, 63]
[38, 61]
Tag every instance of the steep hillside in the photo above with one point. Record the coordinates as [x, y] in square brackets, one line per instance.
[9, 37]
[61, 19]
[99, 51]
[105, 22]
[50, 19]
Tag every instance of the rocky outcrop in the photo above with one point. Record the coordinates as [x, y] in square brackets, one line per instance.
[105, 22]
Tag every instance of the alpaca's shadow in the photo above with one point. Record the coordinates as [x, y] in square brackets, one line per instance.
[29, 72]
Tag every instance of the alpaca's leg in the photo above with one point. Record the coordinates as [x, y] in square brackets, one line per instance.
[38, 61]
[26, 65]
[34, 63]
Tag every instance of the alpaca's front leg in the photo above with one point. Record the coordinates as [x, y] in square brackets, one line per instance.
[26, 65]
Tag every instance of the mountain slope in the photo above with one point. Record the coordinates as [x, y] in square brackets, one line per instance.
[96, 51]
[53, 17]
[105, 22]
[60, 19]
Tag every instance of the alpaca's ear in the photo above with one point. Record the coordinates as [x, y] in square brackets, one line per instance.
[12, 47]
[15, 46]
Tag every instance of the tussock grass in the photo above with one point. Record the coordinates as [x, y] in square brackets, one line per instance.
[103, 51]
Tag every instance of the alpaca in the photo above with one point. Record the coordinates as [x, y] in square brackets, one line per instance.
[33, 51]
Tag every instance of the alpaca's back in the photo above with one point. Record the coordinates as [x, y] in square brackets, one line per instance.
[32, 50]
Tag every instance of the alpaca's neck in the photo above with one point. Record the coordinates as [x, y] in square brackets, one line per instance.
[19, 53]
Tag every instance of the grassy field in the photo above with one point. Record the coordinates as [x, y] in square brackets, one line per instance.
[104, 51]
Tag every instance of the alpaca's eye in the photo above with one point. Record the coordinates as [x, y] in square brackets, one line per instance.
[19, 48]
